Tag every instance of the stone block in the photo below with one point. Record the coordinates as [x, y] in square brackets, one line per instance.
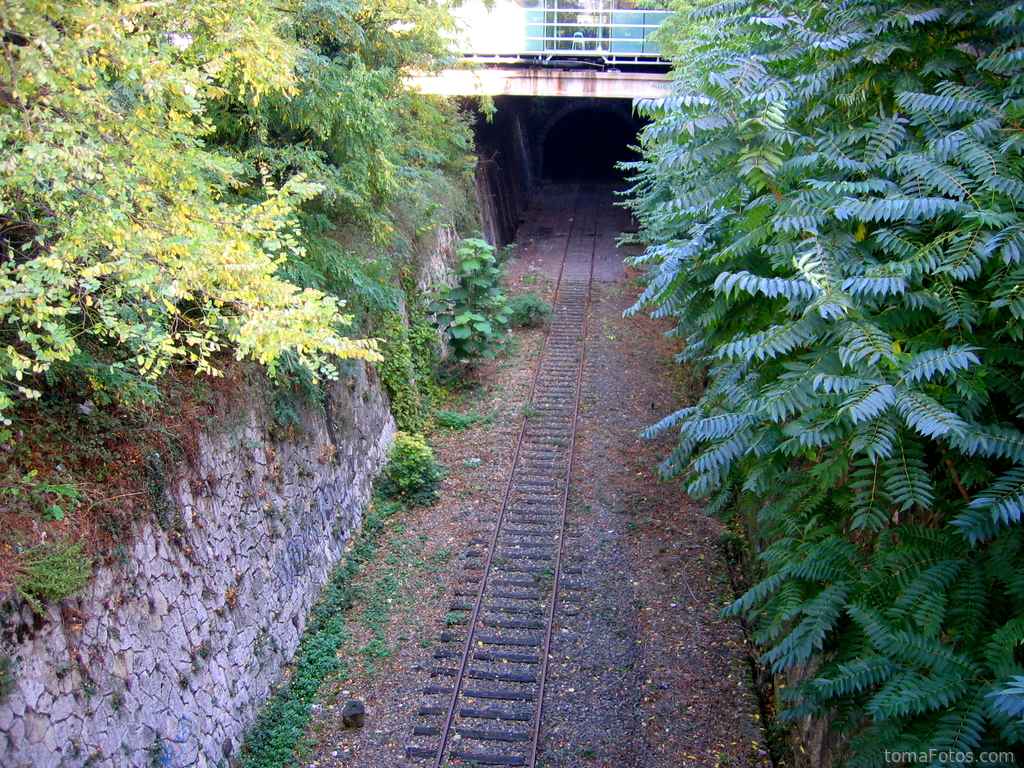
[50, 746]
[176, 638]
[62, 708]
[6, 718]
[16, 733]
[160, 603]
[42, 757]
[71, 729]
[116, 666]
[67, 684]
[31, 690]
[170, 589]
[44, 704]
[36, 726]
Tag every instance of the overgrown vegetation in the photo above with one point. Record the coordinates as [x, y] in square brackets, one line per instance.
[51, 572]
[410, 478]
[473, 312]
[412, 475]
[74, 472]
[398, 373]
[279, 732]
[110, 252]
[290, 130]
[306, 185]
[528, 310]
[832, 199]
[457, 422]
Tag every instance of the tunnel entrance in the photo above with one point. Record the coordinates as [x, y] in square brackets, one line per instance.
[561, 139]
[587, 144]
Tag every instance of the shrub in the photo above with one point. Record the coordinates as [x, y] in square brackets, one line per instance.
[456, 421]
[833, 204]
[528, 310]
[473, 312]
[412, 474]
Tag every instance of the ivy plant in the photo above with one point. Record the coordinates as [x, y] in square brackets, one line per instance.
[833, 201]
[473, 312]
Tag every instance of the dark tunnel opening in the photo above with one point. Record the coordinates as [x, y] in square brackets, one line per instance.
[529, 140]
[586, 145]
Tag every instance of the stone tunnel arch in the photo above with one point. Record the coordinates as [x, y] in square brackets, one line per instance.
[606, 127]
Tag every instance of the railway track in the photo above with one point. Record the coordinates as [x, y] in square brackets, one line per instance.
[485, 702]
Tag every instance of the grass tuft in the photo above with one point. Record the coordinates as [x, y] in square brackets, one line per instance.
[51, 573]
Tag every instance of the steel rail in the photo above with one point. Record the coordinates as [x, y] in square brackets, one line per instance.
[546, 656]
[460, 676]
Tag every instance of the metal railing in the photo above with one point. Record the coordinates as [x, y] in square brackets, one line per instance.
[593, 32]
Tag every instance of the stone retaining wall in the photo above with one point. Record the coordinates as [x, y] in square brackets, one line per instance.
[165, 659]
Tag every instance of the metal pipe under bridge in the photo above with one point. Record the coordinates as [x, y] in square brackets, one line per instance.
[545, 48]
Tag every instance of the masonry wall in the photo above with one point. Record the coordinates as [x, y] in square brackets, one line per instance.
[165, 658]
[504, 175]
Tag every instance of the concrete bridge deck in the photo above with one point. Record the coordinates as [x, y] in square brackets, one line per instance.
[543, 82]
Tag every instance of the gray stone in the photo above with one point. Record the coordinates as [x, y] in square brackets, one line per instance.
[160, 603]
[36, 726]
[354, 714]
[62, 708]
[16, 733]
[44, 704]
[218, 679]
[31, 690]
[50, 744]
[177, 640]
[42, 757]
[170, 589]
[72, 728]
[143, 670]
[67, 684]
[6, 718]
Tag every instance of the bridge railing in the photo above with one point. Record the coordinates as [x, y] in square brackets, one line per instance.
[597, 32]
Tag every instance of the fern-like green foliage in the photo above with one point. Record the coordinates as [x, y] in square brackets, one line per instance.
[833, 201]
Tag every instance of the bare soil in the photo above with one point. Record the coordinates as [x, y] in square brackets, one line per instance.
[646, 674]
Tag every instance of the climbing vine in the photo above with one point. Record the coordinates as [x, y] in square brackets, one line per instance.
[399, 376]
[424, 346]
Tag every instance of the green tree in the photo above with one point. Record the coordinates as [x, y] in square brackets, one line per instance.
[833, 198]
[391, 165]
[121, 229]
[351, 125]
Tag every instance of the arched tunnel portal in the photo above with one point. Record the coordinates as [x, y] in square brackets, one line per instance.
[585, 140]
[535, 139]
